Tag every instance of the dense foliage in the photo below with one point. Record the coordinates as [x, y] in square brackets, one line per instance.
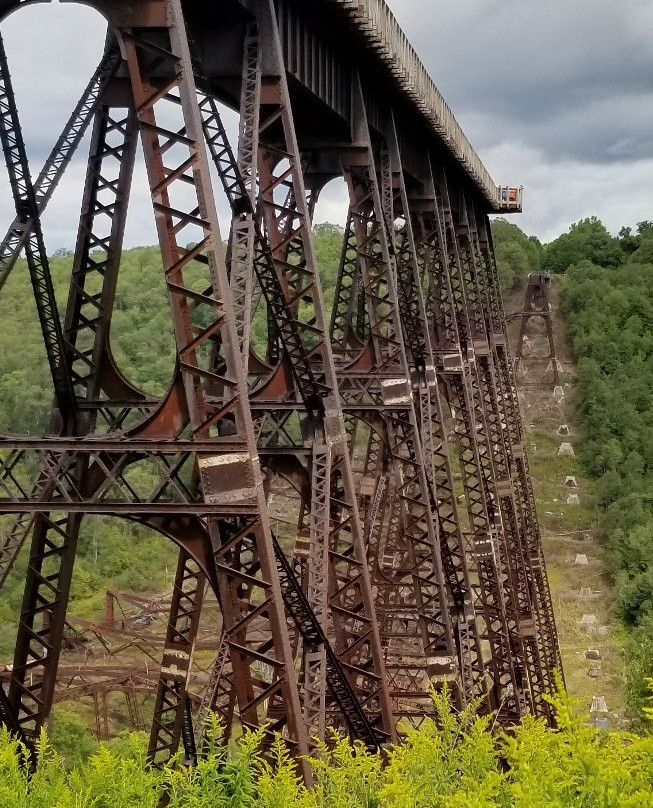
[587, 239]
[456, 764]
[141, 330]
[516, 253]
[111, 552]
[610, 320]
[609, 304]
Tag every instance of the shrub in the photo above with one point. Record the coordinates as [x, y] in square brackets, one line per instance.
[454, 761]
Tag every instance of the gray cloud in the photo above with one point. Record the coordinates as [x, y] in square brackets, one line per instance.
[603, 130]
[554, 94]
[558, 193]
[52, 52]
[572, 78]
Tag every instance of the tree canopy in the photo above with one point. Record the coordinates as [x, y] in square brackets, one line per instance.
[516, 253]
[586, 240]
[610, 322]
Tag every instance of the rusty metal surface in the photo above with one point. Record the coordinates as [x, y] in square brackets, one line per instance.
[411, 554]
[391, 46]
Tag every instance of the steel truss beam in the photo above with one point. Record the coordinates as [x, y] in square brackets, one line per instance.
[432, 425]
[88, 314]
[312, 392]
[386, 588]
[349, 647]
[411, 595]
[58, 160]
[27, 210]
[242, 551]
[171, 708]
[527, 661]
[536, 305]
[86, 343]
[546, 635]
[447, 306]
[512, 512]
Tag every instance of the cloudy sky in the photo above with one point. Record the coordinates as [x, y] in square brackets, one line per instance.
[555, 95]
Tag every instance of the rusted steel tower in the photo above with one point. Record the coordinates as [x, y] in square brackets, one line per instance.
[537, 306]
[394, 416]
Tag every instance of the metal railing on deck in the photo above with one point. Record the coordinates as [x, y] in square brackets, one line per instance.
[376, 21]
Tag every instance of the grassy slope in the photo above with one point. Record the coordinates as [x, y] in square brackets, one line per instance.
[121, 567]
[569, 529]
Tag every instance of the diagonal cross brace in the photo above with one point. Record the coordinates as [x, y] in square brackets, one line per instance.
[27, 211]
[58, 160]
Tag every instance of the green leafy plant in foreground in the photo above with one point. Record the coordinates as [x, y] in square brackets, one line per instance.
[453, 761]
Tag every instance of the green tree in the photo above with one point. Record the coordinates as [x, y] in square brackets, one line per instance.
[71, 738]
[587, 239]
[610, 323]
[644, 252]
[630, 242]
[516, 253]
[512, 263]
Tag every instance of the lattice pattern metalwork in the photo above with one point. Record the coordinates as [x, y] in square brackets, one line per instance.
[393, 417]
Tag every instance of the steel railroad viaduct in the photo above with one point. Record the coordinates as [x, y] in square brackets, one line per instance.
[391, 416]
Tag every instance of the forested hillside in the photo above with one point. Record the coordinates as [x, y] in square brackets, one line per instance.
[609, 311]
[141, 332]
[609, 303]
[112, 553]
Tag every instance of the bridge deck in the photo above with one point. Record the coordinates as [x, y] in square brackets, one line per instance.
[385, 36]
[374, 20]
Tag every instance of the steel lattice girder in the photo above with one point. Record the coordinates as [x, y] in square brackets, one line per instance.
[384, 589]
